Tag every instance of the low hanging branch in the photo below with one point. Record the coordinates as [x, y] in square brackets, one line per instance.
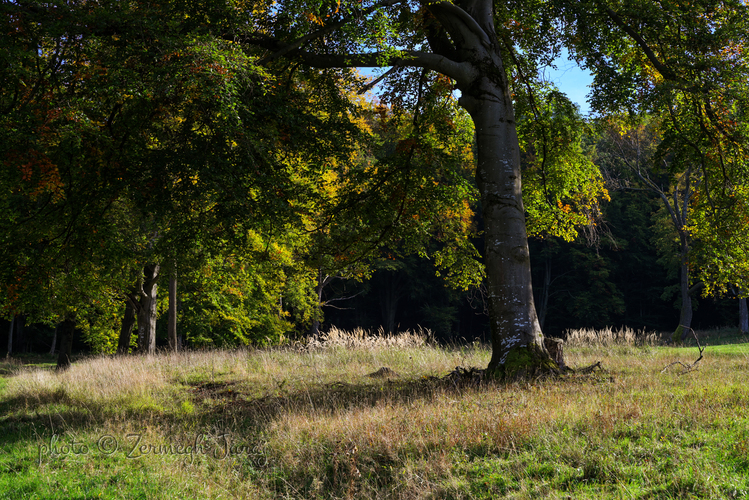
[693, 366]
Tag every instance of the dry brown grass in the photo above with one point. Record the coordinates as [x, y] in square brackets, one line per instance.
[361, 338]
[609, 336]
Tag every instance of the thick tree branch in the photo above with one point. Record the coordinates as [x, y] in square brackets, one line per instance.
[458, 23]
[455, 70]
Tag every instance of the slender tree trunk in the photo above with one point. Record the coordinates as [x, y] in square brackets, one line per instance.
[10, 336]
[21, 342]
[147, 310]
[172, 324]
[390, 295]
[685, 318]
[743, 316]
[54, 340]
[128, 322]
[66, 329]
[314, 330]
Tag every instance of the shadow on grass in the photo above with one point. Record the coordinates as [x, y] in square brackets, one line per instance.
[227, 398]
[214, 404]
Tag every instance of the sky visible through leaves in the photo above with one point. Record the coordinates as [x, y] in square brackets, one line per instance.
[572, 80]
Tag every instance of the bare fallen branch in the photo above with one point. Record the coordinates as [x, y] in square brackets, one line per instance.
[589, 369]
[693, 366]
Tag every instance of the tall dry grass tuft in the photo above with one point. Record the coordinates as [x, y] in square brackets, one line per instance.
[107, 383]
[9, 366]
[360, 338]
[607, 337]
[92, 382]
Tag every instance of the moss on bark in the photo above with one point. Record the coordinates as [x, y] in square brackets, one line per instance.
[524, 362]
[676, 338]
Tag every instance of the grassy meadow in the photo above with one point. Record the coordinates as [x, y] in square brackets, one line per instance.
[308, 422]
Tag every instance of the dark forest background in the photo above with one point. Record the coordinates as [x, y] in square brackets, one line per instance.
[627, 277]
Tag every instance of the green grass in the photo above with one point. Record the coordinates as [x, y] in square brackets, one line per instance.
[310, 423]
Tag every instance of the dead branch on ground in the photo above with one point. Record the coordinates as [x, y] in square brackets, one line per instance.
[693, 366]
[588, 369]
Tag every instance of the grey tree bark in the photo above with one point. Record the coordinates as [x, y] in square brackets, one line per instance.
[517, 342]
[147, 310]
[514, 324]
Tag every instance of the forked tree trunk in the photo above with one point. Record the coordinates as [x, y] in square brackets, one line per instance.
[147, 310]
[66, 329]
[128, 322]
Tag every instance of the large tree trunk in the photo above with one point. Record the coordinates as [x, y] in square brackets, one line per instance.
[147, 310]
[66, 329]
[128, 322]
[172, 322]
[517, 342]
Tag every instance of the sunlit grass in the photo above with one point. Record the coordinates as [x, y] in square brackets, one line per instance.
[308, 422]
